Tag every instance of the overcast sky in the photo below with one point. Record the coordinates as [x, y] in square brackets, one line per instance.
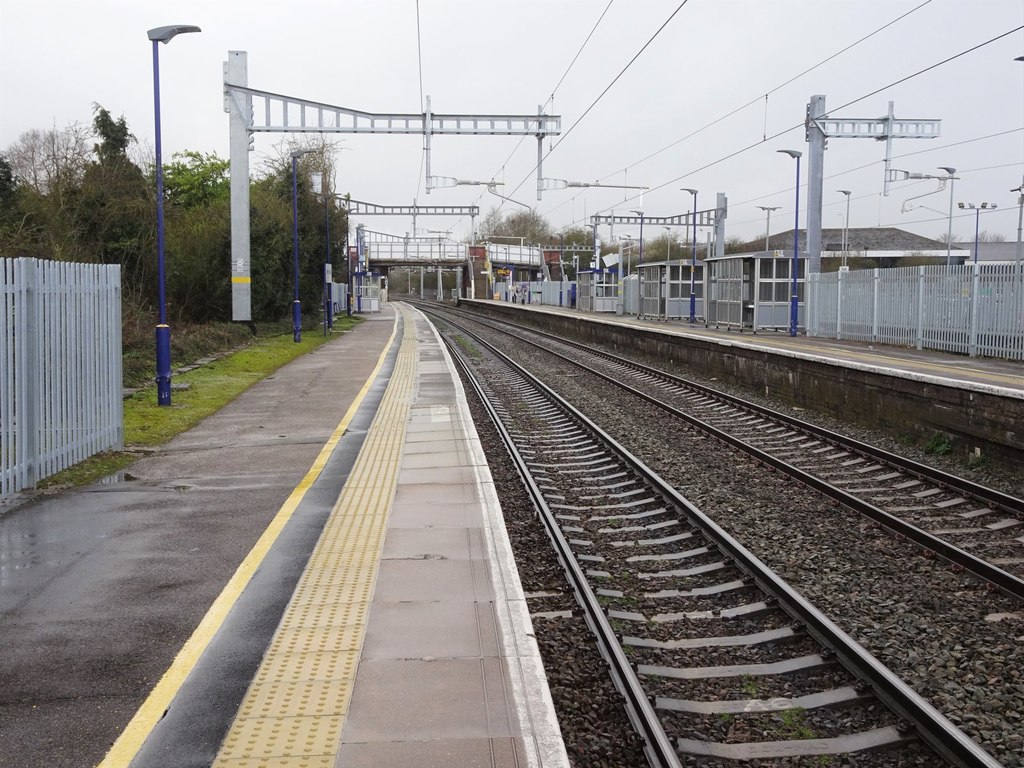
[59, 57]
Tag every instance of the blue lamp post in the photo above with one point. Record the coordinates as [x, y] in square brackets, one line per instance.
[693, 264]
[328, 314]
[793, 302]
[163, 330]
[296, 305]
[977, 222]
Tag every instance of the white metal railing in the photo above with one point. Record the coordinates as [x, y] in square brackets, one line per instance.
[60, 367]
[973, 309]
[428, 250]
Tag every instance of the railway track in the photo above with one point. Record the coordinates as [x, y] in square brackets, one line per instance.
[717, 658]
[970, 525]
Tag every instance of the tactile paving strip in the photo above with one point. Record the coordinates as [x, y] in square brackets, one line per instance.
[294, 710]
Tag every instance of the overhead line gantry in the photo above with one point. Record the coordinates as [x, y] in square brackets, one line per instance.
[254, 111]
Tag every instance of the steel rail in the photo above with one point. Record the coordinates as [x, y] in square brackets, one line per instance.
[657, 744]
[999, 578]
[996, 576]
[931, 725]
[991, 497]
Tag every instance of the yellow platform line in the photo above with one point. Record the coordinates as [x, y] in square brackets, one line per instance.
[295, 708]
[128, 744]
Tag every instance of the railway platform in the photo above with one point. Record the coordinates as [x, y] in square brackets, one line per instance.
[901, 362]
[971, 406]
[377, 619]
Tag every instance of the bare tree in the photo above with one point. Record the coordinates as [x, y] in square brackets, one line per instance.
[983, 237]
[48, 161]
[529, 226]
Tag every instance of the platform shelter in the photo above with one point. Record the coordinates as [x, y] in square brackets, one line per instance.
[597, 290]
[753, 290]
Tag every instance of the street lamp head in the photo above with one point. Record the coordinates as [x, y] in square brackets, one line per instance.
[949, 171]
[639, 213]
[769, 208]
[846, 192]
[297, 153]
[164, 34]
[791, 152]
[687, 189]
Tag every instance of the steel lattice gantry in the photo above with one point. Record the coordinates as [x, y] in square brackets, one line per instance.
[712, 217]
[819, 127]
[253, 111]
[361, 208]
[358, 207]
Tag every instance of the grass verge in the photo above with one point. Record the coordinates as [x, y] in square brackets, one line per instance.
[208, 389]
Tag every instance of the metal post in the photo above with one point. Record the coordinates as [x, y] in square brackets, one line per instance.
[427, 122]
[640, 259]
[815, 177]
[349, 278]
[949, 231]
[163, 330]
[693, 261]
[793, 303]
[561, 266]
[296, 306]
[768, 222]
[846, 224]
[721, 211]
[977, 225]
[693, 265]
[1020, 221]
[540, 151]
[977, 219]
[239, 109]
[328, 278]
[972, 343]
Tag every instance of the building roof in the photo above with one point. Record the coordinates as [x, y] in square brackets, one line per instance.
[991, 251]
[860, 239]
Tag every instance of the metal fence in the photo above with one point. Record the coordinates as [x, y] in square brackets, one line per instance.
[974, 309]
[60, 367]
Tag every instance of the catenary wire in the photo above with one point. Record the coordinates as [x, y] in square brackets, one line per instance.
[555, 89]
[601, 95]
[779, 87]
[778, 134]
[748, 104]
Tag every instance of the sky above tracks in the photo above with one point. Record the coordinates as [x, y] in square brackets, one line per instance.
[706, 104]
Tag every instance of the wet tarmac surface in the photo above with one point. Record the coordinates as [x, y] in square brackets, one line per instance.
[101, 586]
